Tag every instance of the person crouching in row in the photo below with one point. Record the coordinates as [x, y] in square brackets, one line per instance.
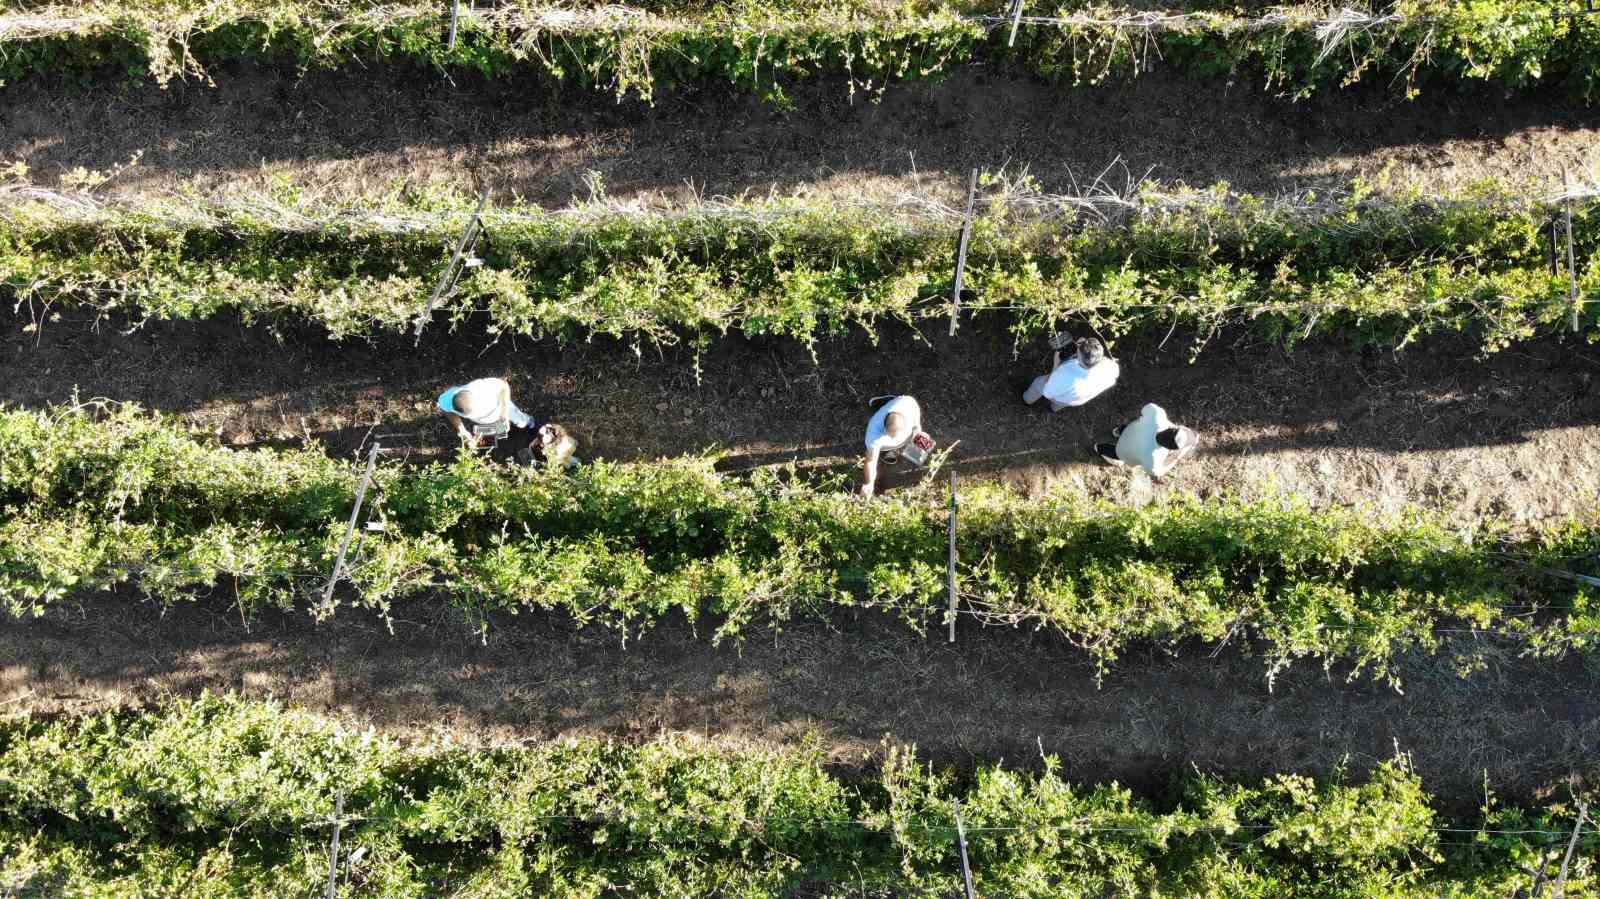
[484, 417]
[1150, 441]
[895, 430]
[1084, 376]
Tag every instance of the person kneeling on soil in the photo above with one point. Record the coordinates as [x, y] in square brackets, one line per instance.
[1149, 441]
[483, 414]
[895, 429]
[1080, 379]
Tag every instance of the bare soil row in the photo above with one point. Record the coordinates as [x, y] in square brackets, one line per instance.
[1528, 728]
[350, 132]
[1514, 436]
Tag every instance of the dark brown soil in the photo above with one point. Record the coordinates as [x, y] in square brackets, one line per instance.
[994, 695]
[1516, 435]
[357, 131]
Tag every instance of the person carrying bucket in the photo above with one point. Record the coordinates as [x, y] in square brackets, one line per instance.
[483, 414]
[894, 433]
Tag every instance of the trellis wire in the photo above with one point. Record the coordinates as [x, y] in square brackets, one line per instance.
[951, 828]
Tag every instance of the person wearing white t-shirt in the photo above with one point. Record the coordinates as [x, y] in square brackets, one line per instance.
[888, 431]
[485, 402]
[1076, 381]
[1150, 441]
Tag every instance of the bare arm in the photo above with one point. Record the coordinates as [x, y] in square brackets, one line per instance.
[869, 473]
[457, 423]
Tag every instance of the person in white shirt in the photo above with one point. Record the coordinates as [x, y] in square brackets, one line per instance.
[1150, 441]
[485, 402]
[888, 431]
[1080, 379]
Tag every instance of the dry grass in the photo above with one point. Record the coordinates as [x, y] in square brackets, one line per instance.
[349, 136]
[1113, 197]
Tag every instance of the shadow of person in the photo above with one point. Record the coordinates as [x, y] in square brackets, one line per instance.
[744, 462]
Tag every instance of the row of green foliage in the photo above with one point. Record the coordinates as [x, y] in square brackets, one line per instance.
[758, 45]
[1372, 270]
[90, 500]
[222, 797]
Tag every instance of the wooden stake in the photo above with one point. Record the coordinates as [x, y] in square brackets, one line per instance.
[961, 844]
[1572, 269]
[333, 846]
[361, 495]
[1016, 19]
[1561, 881]
[446, 279]
[951, 571]
[961, 252]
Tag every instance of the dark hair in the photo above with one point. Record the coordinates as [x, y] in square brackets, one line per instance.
[1168, 438]
[1090, 351]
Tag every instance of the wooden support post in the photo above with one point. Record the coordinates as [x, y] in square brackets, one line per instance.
[951, 571]
[333, 847]
[455, 13]
[961, 252]
[1561, 880]
[1016, 19]
[361, 495]
[961, 844]
[1572, 269]
[447, 279]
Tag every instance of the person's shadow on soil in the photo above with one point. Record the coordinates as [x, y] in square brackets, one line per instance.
[744, 462]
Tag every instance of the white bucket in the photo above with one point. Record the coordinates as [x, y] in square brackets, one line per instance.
[917, 449]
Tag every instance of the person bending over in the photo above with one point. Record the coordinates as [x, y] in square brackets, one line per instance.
[482, 412]
[1076, 381]
[1150, 442]
[889, 430]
